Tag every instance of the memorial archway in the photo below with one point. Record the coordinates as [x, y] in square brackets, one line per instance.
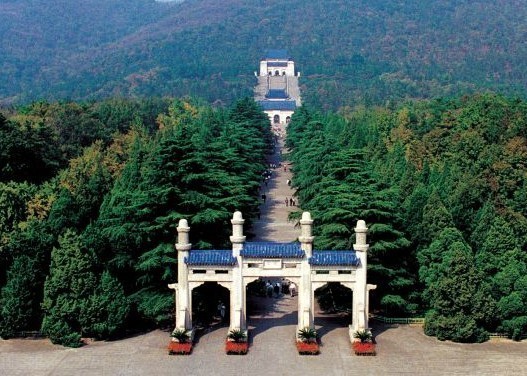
[237, 268]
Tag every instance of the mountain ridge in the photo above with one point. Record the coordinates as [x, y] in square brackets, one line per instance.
[349, 52]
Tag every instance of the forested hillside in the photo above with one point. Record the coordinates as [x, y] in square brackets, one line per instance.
[443, 186]
[349, 52]
[88, 220]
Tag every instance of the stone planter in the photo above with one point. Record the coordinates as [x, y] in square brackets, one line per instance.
[307, 348]
[179, 348]
[363, 348]
[236, 348]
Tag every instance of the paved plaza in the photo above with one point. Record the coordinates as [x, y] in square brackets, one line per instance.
[402, 350]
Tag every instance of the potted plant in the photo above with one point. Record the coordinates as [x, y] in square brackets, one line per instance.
[364, 344]
[306, 343]
[236, 342]
[180, 343]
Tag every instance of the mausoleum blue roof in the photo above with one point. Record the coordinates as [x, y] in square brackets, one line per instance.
[278, 105]
[276, 94]
[276, 54]
[210, 257]
[329, 258]
[272, 250]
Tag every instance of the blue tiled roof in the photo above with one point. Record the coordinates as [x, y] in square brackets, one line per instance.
[276, 54]
[210, 257]
[272, 250]
[276, 94]
[328, 258]
[278, 105]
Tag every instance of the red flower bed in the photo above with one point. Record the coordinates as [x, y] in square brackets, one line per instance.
[238, 348]
[363, 348]
[180, 348]
[307, 348]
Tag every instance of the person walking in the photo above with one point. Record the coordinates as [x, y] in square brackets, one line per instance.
[269, 289]
[221, 310]
[292, 289]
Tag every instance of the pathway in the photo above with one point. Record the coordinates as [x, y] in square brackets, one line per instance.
[273, 224]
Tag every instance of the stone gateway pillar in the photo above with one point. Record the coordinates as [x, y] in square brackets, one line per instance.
[360, 291]
[183, 297]
[305, 290]
[238, 320]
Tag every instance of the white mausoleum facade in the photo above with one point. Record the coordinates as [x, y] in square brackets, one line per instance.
[246, 262]
[277, 90]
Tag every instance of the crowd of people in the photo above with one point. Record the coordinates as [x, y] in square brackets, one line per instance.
[279, 288]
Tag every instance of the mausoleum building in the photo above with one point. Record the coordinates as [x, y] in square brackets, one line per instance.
[277, 90]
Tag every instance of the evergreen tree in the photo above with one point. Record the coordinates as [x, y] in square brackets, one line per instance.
[461, 308]
[17, 298]
[106, 310]
[67, 290]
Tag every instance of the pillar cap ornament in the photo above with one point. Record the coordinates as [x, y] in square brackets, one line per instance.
[361, 226]
[183, 230]
[360, 237]
[306, 219]
[237, 228]
[237, 218]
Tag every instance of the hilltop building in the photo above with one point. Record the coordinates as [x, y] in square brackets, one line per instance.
[277, 90]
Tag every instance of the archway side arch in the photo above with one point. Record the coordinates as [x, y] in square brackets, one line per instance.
[203, 308]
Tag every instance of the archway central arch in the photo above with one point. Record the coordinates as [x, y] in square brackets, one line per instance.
[246, 262]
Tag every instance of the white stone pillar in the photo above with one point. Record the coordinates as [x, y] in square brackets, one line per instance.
[360, 292]
[183, 307]
[238, 320]
[305, 290]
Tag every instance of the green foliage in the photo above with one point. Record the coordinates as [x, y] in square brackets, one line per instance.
[26, 260]
[307, 334]
[432, 179]
[60, 333]
[17, 299]
[67, 289]
[338, 185]
[333, 297]
[460, 300]
[29, 150]
[201, 165]
[363, 335]
[237, 335]
[106, 309]
[181, 335]
[428, 177]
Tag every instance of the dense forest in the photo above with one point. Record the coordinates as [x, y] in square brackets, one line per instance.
[348, 52]
[443, 187]
[90, 197]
